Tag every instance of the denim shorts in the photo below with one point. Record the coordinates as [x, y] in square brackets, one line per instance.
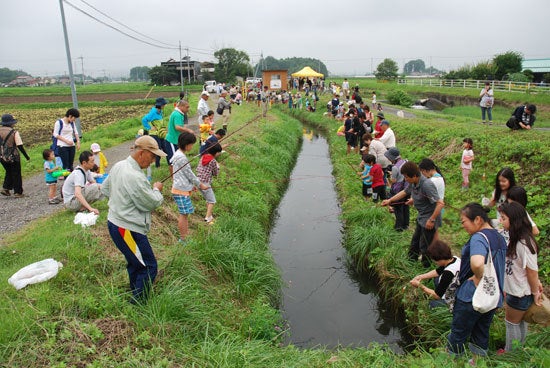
[521, 304]
[185, 206]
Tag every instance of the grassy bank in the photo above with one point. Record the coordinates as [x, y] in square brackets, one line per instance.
[372, 243]
[215, 303]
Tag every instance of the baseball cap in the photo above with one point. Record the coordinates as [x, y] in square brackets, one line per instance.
[148, 143]
[161, 101]
[385, 122]
[205, 93]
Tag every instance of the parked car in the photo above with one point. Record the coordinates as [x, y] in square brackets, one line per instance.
[211, 86]
[253, 81]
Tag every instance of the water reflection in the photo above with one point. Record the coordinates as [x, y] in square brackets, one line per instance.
[325, 301]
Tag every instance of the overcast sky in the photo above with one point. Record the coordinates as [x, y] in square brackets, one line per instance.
[351, 37]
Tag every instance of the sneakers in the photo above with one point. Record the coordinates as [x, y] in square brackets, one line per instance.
[54, 201]
[5, 192]
[209, 219]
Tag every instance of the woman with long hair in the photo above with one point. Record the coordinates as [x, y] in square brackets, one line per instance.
[521, 284]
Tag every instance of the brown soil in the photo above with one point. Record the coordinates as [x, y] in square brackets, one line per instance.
[90, 97]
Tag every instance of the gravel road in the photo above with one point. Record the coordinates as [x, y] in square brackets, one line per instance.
[18, 212]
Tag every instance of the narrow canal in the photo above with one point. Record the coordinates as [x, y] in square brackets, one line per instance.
[324, 302]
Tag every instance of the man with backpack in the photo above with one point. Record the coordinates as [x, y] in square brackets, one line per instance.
[10, 145]
[79, 188]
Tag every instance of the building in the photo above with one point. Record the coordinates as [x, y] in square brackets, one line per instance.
[192, 70]
[539, 67]
[275, 79]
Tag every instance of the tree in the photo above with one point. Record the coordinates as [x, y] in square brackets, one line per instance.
[387, 69]
[231, 63]
[483, 70]
[7, 75]
[163, 75]
[507, 63]
[414, 66]
[291, 64]
[139, 73]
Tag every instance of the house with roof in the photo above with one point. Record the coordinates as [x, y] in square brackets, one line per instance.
[539, 67]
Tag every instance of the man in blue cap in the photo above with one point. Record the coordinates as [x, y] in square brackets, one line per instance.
[156, 113]
[12, 164]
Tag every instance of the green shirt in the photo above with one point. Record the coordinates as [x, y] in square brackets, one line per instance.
[177, 118]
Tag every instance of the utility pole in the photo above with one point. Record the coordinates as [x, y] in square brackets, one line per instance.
[188, 67]
[181, 71]
[70, 64]
[82, 63]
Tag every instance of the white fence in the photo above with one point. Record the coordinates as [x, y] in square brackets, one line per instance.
[477, 84]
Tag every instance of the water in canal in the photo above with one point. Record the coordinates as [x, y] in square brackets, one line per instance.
[324, 302]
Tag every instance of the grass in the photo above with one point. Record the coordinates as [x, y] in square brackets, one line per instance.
[215, 305]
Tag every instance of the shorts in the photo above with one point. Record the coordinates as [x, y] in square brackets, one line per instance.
[48, 183]
[208, 195]
[185, 206]
[367, 190]
[521, 304]
[379, 193]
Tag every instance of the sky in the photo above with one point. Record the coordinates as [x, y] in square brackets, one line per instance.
[351, 37]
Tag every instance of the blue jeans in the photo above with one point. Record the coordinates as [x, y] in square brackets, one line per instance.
[141, 262]
[489, 111]
[468, 323]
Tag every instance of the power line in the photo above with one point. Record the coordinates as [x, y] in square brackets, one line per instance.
[116, 29]
[170, 46]
[125, 26]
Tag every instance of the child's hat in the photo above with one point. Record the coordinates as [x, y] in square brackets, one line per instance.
[95, 148]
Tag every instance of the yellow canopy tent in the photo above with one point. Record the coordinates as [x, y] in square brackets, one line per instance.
[307, 72]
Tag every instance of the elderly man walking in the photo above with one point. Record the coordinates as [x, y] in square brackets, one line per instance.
[131, 200]
[202, 107]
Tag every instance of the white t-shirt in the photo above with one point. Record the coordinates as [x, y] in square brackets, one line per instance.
[468, 165]
[439, 185]
[515, 278]
[388, 139]
[76, 178]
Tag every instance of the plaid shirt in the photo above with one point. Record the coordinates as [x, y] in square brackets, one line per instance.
[206, 172]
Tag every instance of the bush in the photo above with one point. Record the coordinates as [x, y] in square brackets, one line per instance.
[399, 97]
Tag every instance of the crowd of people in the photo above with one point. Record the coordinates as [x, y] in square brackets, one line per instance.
[385, 175]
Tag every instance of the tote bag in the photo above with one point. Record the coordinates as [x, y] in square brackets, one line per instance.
[487, 293]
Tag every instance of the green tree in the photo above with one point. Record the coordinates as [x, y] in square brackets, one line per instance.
[163, 75]
[519, 77]
[414, 66]
[139, 73]
[231, 63]
[292, 64]
[507, 63]
[483, 70]
[7, 75]
[387, 69]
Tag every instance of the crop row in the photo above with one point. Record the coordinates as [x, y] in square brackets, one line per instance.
[36, 125]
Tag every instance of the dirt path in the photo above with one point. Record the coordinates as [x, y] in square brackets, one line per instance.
[19, 212]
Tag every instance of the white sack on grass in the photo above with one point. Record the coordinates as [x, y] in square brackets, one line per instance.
[85, 219]
[35, 273]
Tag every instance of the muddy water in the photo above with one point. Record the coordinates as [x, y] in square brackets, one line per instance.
[324, 302]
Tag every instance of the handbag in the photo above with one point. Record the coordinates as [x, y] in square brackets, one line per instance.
[539, 314]
[487, 294]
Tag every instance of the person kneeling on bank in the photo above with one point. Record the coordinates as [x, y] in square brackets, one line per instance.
[80, 189]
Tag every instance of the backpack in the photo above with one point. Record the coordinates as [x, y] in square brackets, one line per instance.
[400, 185]
[54, 146]
[7, 151]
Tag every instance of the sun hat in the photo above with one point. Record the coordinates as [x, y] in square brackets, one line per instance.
[161, 101]
[95, 148]
[380, 115]
[392, 154]
[7, 120]
[148, 143]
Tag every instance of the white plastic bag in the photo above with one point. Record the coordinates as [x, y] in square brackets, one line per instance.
[35, 273]
[85, 219]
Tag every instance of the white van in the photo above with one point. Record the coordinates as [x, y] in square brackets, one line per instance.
[211, 86]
